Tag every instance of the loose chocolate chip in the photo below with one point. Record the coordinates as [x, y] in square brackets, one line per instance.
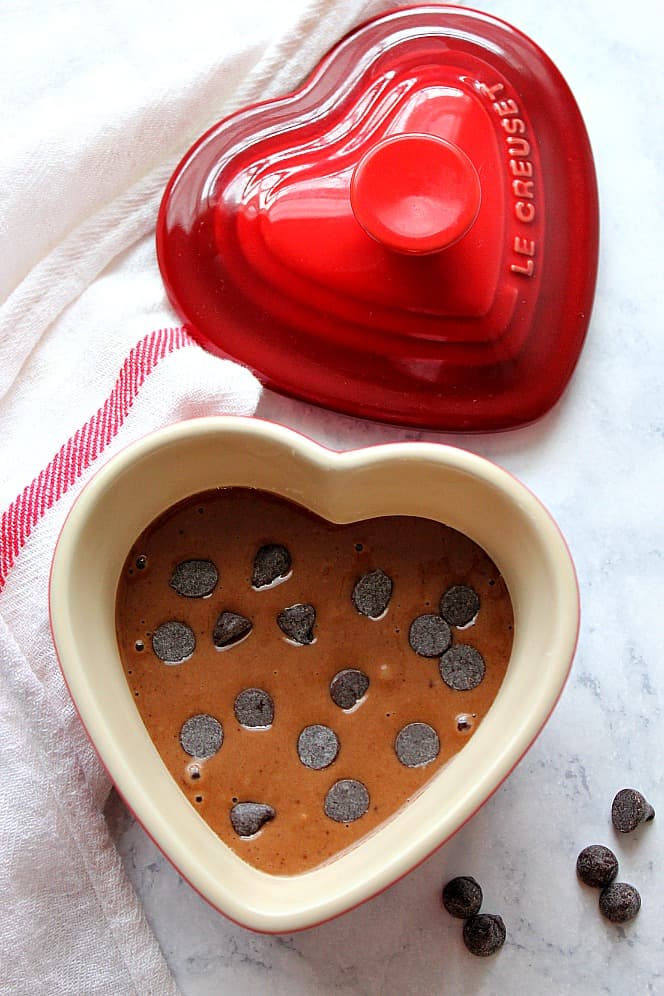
[629, 810]
[297, 622]
[230, 628]
[417, 745]
[247, 818]
[346, 801]
[348, 687]
[201, 736]
[462, 667]
[173, 642]
[317, 746]
[459, 605]
[619, 902]
[194, 578]
[597, 865]
[462, 897]
[484, 934]
[429, 636]
[254, 708]
[372, 593]
[271, 563]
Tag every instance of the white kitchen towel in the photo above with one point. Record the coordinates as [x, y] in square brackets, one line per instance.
[99, 101]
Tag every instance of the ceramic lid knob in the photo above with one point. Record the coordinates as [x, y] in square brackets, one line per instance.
[415, 193]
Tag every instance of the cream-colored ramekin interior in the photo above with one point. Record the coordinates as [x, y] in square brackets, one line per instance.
[424, 479]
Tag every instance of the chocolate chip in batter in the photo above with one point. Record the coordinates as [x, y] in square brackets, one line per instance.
[247, 818]
[484, 934]
[619, 902]
[348, 687]
[346, 801]
[317, 746]
[597, 865]
[194, 578]
[271, 563]
[201, 736]
[372, 593]
[230, 628]
[459, 605]
[429, 636]
[417, 745]
[462, 667]
[173, 642]
[462, 897]
[629, 810]
[254, 709]
[297, 623]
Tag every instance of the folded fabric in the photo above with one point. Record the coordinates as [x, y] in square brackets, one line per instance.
[102, 101]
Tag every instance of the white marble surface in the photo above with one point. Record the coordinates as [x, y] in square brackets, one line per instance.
[597, 462]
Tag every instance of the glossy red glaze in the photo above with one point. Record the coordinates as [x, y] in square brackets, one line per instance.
[415, 193]
[462, 306]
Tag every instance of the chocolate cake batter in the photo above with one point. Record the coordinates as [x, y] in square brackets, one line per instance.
[221, 532]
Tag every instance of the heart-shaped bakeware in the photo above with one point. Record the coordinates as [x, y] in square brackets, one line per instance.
[449, 485]
[411, 236]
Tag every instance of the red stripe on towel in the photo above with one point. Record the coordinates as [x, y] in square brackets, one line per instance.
[83, 448]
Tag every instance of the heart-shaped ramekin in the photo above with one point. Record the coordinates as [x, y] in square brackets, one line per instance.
[424, 479]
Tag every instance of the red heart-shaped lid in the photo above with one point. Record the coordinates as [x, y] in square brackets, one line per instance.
[411, 236]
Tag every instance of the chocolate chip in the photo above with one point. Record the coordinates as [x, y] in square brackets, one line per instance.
[462, 667]
[173, 642]
[247, 818]
[372, 593]
[484, 934]
[201, 736]
[271, 563]
[317, 746]
[462, 897]
[629, 810]
[297, 622]
[597, 865]
[230, 628]
[346, 801]
[348, 687]
[619, 902]
[417, 745]
[459, 605]
[429, 636]
[194, 578]
[254, 708]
